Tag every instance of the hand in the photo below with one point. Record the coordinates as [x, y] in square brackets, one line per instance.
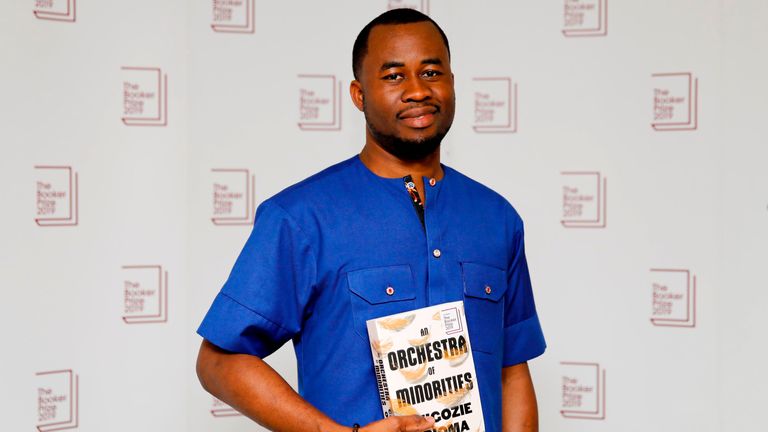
[412, 423]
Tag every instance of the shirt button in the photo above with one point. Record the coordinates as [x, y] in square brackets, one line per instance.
[488, 289]
[432, 181]
[390, 290]
[436, 253]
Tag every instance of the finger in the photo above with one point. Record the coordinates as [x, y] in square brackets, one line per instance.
[416, 423]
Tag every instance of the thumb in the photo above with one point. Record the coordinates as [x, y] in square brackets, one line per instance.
[416, 423]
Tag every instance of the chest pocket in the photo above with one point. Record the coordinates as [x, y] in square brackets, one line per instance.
[380, 291]
[484, 288]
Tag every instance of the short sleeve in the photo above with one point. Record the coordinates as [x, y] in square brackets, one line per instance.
[263, 302]
[523, 337]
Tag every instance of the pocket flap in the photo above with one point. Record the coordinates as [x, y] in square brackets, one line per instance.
[484, 281]
[382, 284]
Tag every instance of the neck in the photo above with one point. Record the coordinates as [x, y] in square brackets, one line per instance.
[384, 164]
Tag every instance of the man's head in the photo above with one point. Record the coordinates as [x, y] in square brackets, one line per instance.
[391, 17]
[403, 83]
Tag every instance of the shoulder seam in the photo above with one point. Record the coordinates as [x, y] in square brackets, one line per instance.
[293, 221]
[301, 230]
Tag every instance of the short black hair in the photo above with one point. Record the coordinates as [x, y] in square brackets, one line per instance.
[390, 17]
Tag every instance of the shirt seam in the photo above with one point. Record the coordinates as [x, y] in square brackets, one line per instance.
[521, 321]
[256, 313]
[303, 234]
[305, 237]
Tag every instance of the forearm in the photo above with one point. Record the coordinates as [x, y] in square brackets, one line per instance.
[520, 412]
[251, 386]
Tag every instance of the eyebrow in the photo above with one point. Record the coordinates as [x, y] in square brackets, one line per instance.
[396, 64]
[391, 64]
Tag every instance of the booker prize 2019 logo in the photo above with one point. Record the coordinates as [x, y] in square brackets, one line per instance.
[319, 103]
[233, 16]
[234, 196]
[420, 5]
[673, 298]
[675, 102]
[585, 18]
[220, 409]
[58, 395]
[145, 289]
[145, 96]
[582, 390]
[585, 195]
[495, 105]
[55, 10]
[56, 197]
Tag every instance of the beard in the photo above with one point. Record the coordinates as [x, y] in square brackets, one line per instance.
[404, 149]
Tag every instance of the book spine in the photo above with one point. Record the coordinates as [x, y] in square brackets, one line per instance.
[381, 377]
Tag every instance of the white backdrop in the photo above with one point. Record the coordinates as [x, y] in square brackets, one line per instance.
[138, 137]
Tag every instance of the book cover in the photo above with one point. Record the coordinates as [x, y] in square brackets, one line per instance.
[423, 363]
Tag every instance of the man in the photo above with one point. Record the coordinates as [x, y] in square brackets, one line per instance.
[384, 232]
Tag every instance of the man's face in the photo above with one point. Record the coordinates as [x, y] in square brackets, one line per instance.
[407, 89]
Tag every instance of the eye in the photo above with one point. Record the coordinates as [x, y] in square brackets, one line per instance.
[391, 77]
[431, 73]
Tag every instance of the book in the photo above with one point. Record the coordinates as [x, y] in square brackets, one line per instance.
[423, 364]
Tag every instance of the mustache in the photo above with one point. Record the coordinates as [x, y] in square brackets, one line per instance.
[436, 107]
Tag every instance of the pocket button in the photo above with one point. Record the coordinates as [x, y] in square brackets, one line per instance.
[390, 290]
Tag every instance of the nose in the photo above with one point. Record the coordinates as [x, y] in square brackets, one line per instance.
[416, 90]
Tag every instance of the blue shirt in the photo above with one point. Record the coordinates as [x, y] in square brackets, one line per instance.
[322, 254]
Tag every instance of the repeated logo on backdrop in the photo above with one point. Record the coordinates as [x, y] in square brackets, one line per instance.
[55, 10]
[56, 196]
[495, 105]
[585, 196]
[420, 5]
[145, 96]
[58, 397]
[675, 101]
[673, 294]
[234, 196]
[582, 391]
[233, 16]
[319, 102]
[585, 18]
[145, 294]
[220, 409]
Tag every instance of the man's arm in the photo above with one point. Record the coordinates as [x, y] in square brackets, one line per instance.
[251, 386]
[520, 412]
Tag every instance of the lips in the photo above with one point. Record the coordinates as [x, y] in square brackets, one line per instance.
[419, 117]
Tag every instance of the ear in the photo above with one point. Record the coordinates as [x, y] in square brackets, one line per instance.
[356, 92]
